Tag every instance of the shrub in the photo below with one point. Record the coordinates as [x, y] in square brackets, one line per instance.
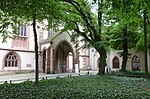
[137, 74]
[81, 87]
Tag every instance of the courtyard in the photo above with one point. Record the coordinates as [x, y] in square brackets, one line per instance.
[79, 87]
[6, 77]
[56, 39]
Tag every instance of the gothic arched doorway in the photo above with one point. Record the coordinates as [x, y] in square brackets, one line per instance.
[62, 51]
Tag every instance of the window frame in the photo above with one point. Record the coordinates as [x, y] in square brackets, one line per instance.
[22, 30]
[11, 60]
[135, 61]
[116, 64]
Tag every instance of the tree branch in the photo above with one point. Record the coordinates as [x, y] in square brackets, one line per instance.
[77, 29]
[87, 19]
[100, 15]
[83, 34]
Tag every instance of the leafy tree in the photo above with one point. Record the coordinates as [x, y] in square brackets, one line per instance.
[19, 9]
[124, 29]
[132, 13]
[6, 22]
[78, 17]
[29, 10]
[143, 6]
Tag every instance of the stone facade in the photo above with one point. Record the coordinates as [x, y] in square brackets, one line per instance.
[61, 55]
[135, 60]
[57, 54]
[17, 54]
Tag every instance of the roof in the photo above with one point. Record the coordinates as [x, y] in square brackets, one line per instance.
[50, 38]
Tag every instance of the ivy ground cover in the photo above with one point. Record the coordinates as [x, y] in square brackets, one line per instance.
[80, 87]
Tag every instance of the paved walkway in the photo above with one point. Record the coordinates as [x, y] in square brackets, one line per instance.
[17, 78]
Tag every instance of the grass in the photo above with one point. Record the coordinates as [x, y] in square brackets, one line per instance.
[81, 87]
[136, 74]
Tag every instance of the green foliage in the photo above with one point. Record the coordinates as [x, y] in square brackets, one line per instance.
[98, 29]
[136, 74]
[31, 11]
[79, 18]
[6, 22]
[120, 19]
[130, 14]
[89, 87]
[23, 10]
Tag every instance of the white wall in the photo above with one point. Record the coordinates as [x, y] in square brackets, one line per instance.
[81, 62]
[70, 63]
[111, 55]
[93, 58]
[60, 37]
[31, 39]
[5, 45]
[26, 58]
[140, 55]
[45, 46]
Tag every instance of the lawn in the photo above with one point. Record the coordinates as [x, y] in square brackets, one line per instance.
[81, 87]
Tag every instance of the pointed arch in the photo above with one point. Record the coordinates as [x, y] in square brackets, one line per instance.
[61, 52]
[135, 63]
[12, 59]
[115, 62]
[65, 42]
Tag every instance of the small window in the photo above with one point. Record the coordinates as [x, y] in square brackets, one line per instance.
[135, 63]
[50, 32]
[115, 62]
[51, 29]
[22, 30]
[11, 60]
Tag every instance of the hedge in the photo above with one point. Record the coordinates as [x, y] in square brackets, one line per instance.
[81, 87]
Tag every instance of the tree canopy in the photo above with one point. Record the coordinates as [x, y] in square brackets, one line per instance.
[97, 21]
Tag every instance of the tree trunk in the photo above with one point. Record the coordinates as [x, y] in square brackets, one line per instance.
[101, 50]
[102, 62]
[36, 50]
[145, 43]
[125, 50]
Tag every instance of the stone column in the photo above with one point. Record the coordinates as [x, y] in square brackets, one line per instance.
[47, 69]
[40, 62]
[51, 60]
[54, 61]
[67, 63]
[75, 60]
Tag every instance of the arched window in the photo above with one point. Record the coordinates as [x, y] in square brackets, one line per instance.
[11, 60]
[135, 63]
[115, 62]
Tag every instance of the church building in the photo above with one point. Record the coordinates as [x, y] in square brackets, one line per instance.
[57, 54]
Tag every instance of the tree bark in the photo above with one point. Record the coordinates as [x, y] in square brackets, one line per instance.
[125, 50]
[101, 50]
[102, 62]
[145, 42]
[36, 50]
